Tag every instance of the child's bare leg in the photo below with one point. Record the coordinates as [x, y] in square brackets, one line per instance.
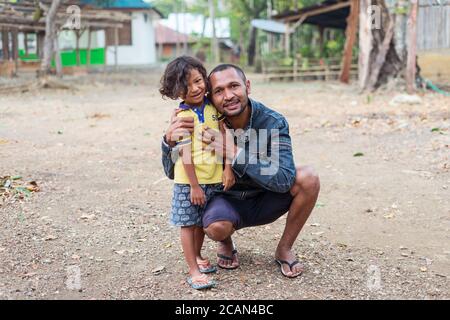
[199, 237]
[189, 249]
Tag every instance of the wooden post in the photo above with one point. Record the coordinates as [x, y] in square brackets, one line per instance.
[352, 25]
[40, 44]
[88, 51]
[58, 62]
[5, 45]
[160, 51]
[295, 67]
[287, 42]
[321, 39]
[116, 45]
[327, 72]
[15, 49]
[77, 47]
[25, 43]
[105, 52]
[412, 48]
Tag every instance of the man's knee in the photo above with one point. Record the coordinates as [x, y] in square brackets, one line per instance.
[307, 179]
[219, 230]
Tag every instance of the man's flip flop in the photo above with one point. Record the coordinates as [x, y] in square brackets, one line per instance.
[221, 256]
[199, 283]
[281, 262]
[206, 267]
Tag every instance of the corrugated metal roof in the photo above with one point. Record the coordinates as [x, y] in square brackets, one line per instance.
[269, 25]
[120, 4]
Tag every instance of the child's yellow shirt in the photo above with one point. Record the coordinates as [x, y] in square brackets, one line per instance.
[208, 168]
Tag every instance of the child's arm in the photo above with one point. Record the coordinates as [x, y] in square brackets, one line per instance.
[197, 194]
[228, 178]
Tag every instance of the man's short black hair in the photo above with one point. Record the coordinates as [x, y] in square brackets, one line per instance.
[226, 66]
[174, 82]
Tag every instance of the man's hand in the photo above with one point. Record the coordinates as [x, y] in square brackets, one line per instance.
[198, 197]
[223, 145]
[178, 128]
[228, 178]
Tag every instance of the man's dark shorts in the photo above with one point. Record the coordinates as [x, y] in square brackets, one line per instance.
[264, 208]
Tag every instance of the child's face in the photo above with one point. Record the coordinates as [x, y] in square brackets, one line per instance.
[196, 89]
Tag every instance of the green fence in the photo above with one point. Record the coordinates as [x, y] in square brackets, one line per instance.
[69, 58]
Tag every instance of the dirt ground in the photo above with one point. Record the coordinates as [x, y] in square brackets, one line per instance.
[98, 228]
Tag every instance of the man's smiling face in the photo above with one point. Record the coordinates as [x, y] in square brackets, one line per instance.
[229, 92]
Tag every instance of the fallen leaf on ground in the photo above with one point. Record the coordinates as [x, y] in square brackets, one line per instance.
[88, 216]
[100, 116]
[158, 270]
[319, 205]
[389, 215]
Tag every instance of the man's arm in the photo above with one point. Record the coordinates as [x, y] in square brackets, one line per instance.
[178, 127]
[275, 172]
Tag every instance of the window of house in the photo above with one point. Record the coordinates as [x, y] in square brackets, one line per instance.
[125, 35]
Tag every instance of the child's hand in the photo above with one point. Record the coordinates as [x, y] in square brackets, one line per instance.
[198, 197]
[228, 178]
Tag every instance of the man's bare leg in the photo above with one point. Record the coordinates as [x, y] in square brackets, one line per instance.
[305, 192]
[221, 231]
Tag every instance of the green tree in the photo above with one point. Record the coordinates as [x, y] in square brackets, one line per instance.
[246, 11]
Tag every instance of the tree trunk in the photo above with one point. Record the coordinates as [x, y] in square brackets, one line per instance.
[177, 29]
[412, 49]
[383, 47]
[50, 34]
[252, 46]
[214, 42]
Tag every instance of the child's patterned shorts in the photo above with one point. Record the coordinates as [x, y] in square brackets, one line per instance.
[184, 213]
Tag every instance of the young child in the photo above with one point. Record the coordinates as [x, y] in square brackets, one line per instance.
[197, 172]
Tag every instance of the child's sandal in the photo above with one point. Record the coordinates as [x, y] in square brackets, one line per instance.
[205, 266]
[201, 282]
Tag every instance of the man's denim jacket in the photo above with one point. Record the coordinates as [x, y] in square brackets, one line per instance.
[264, 160]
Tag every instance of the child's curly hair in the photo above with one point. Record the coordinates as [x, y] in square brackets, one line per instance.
[174, 82]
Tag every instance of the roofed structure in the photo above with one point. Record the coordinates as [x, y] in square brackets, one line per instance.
[166, 35]
[327, 14]
[123, 5]
[21, 16]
